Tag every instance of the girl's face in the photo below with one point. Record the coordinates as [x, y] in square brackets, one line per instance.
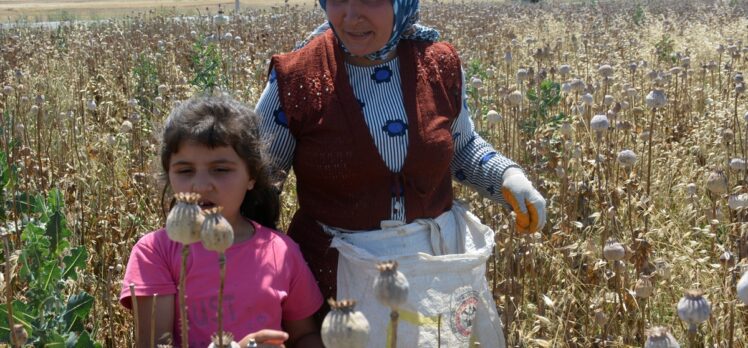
[364, 26]
[218, 174]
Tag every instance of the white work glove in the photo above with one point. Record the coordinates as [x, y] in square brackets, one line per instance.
[525, 200]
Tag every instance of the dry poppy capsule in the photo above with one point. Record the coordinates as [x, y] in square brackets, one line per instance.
[476, 82]
[716, 182]
[743, 288]
[493, 117]
[693, 308]
[737, 164]
[220, 18]
[390, 285]
[587, 99]
[613, 250]
[627, 158]
[226, 342]
[521, 75]
[656, 98]
[599, 123]
[564, 70]
[20, 336]
[605, 70]
[185, 219]
[643, 287]
[566, 129]
[660, 337]
[216, 232]
[515, 98]
[344, 327]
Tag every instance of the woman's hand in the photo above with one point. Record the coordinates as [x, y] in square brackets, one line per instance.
[266, 338]
[526, 201]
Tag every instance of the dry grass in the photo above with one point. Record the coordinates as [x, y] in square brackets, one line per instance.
[40, 10]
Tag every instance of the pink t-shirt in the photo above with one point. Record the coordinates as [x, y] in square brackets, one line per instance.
[266, 280]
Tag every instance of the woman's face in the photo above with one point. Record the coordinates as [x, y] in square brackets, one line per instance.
[364, 26]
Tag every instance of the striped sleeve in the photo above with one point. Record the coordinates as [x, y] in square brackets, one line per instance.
[274, 126]
[476, 163]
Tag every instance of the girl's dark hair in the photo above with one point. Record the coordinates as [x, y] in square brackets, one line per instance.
[222, 121]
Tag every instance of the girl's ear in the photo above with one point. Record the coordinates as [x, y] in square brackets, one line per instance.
[251, 184]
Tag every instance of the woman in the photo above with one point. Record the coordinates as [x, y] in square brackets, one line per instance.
[371, 113]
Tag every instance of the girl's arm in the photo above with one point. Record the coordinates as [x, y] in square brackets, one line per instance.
[303, 333]
[164, 319]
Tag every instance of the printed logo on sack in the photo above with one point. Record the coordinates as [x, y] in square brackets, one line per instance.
[462, 310]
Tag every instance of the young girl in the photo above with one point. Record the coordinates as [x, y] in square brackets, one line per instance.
[212, 146]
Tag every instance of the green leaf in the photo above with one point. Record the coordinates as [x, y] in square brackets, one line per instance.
[76, 259]
[53, 229]
[54, 340]
[22, 314]
[77, 311]
[79, 341]
[49, 276]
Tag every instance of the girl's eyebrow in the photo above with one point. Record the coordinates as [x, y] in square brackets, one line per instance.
[217, 161]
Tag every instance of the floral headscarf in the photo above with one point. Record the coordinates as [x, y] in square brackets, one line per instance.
[405, 27]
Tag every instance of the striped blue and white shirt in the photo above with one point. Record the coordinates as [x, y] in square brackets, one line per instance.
[378, 89]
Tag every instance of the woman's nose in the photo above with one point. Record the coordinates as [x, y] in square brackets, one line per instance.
[353, 11]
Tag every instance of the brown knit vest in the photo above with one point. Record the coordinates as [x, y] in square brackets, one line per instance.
[342, 180]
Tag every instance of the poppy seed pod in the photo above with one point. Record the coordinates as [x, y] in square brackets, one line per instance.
[20, 336]
[220, 18]
[627, 158]
[162, 89]
[694, 309]
[91, 105]
[656, 98]
[476, 82]
[521, 75]
[631, 92]
[493, 117]
[613, 250]
[7, 90]
[564, 69]
[226, 342]
[125, 127]
[736, 202]
[643, 287]
[599, 123]
[691, 189]
[344, 327]
[390, 285]
[216, 232]
[185, 219]
[577, 85]
[587, 99]
[716, 182]
[737, 164]
[608, 100]
[566, 129]
[565, 88]
[605, 70]
[515, 98]
[742, 288]
[660, 337]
